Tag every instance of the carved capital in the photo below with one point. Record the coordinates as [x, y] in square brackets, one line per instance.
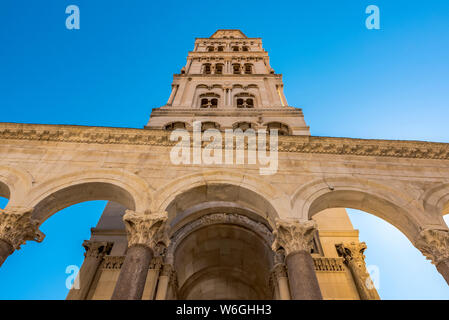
[146, 229]
[96, 249]
[434, 244]
[352, 251]
[17, 226]
[294, 235]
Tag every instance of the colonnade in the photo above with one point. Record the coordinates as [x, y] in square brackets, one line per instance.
[294, 275]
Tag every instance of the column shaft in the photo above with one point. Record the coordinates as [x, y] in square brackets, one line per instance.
[443, 268]
[162, 287]
[131, 281]
[284, 291]
[5, 250]
[302, 277]
[86, 276]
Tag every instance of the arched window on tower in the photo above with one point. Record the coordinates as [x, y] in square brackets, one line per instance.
[243, 126]
[235, 48]
[283, 129]
[209, 100]
[236, 68]
[248, 68]
[209, 125]
[207, 68]
[220, 48]
[245, 100]
[245, 48]
[219, 68]
[210, 49]
[175, 125]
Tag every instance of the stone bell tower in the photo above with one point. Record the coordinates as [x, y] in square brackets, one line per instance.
[228, 83]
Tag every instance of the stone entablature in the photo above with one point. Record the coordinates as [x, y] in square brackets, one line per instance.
[300, 144]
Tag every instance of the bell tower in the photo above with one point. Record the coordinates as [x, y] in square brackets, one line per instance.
[228, 83]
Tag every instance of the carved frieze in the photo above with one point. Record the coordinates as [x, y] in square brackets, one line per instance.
[300, 144]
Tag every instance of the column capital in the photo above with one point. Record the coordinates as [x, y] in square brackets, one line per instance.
[17, 226]
[146, 229]
[352, 251]
[434, 244]
[294, 235]
[96, 249]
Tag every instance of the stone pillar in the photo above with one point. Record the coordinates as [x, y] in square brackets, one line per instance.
[95, 251]
[144, 232]
[16, 228]
[280, 278]
[434, 245]
[296, 238]
[153, 278]
[354, 258]
[164, 281]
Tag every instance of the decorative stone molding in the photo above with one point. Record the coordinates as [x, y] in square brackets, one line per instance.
[434, 244]
[328, 264]
[352, 251]
[293, 235]
[220, 218]
[96, 249]
[146, 229]
[17, 226]
[300, 144]
[113, 262]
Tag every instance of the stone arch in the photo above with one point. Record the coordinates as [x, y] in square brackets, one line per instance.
[380, 200]
[222, 189]
[14, 184]
[61, 192]
[437, 199]
[233, 258]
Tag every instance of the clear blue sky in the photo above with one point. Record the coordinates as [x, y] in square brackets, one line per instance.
[391, 83]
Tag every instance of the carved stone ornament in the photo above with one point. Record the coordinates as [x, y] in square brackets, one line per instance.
[294, 235]
[96, 249]
[17, 226]
[146, 229]
[353, 251]
[301, 144]
[434, 244]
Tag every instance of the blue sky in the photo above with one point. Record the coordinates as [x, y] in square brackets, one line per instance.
[391, 83]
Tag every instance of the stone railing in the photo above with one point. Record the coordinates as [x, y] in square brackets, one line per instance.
[328, 264]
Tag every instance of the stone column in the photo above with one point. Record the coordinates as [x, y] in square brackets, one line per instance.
[95, 252]
[153, 278]
[164, 281]
[434, 245]
[354, 258]
[296, 238]
[144, 232]
[280, 277]
[17, 227]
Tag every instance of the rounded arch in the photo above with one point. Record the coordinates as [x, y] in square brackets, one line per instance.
[384, 202]
[437, 198]
[14, 184]
[225, 189]
[61, 192]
